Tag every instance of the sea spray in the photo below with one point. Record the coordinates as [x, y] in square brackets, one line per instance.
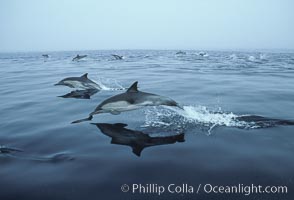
[109, 84]
[200, 116]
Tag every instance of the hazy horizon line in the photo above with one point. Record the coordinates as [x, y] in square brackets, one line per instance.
[156, 49]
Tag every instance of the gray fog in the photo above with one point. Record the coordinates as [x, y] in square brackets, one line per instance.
[54, 25]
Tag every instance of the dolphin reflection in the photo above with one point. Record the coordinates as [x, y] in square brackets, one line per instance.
[137, 140]
[80, 94]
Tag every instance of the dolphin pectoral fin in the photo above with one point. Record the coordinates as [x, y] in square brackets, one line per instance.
[174, 104]
[114, 112]
[71, 86]
[83, 120]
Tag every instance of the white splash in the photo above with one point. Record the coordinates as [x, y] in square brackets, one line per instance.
[109, 84]
[201, 114]
[233, 57]
[190, 116]
[262, 56]
[252, 58]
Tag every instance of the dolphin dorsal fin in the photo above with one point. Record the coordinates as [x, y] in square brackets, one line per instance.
[134, 87]
[85, 75]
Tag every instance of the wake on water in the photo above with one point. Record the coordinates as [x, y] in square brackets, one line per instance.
[205, 119]
[109, 84]
[175, 119]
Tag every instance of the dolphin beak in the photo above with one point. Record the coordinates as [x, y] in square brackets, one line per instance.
[58, 84]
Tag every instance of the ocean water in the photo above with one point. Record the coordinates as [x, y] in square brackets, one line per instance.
[236, 125]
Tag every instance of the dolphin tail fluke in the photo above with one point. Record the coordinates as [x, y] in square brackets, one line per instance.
[83, 120]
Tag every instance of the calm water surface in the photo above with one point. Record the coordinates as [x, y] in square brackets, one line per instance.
[203, 144]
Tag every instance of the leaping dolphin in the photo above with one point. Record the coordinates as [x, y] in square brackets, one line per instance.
[82, 82]
[78, 57]
[132, 99]
[181, 53]
[117, 57]
[203, 54]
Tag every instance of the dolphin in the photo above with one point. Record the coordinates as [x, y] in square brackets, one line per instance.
[181, 53]
[4, 149]
[137, 140]
[203, 54]
[132, 99]
[45, 55]
[82, 82]
[78, 57]
[117, 57]
[264, 122]
[80, 94]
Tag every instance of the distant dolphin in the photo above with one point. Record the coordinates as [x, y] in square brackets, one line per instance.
[79, 82]
[80, 94]
[45, 55]
[203, 54]
[4, 149]
[137, 140]
[181, 53]
[78, 57]
[132, 99]
[117, 57]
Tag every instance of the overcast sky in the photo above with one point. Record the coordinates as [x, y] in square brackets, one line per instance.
[40, 25]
